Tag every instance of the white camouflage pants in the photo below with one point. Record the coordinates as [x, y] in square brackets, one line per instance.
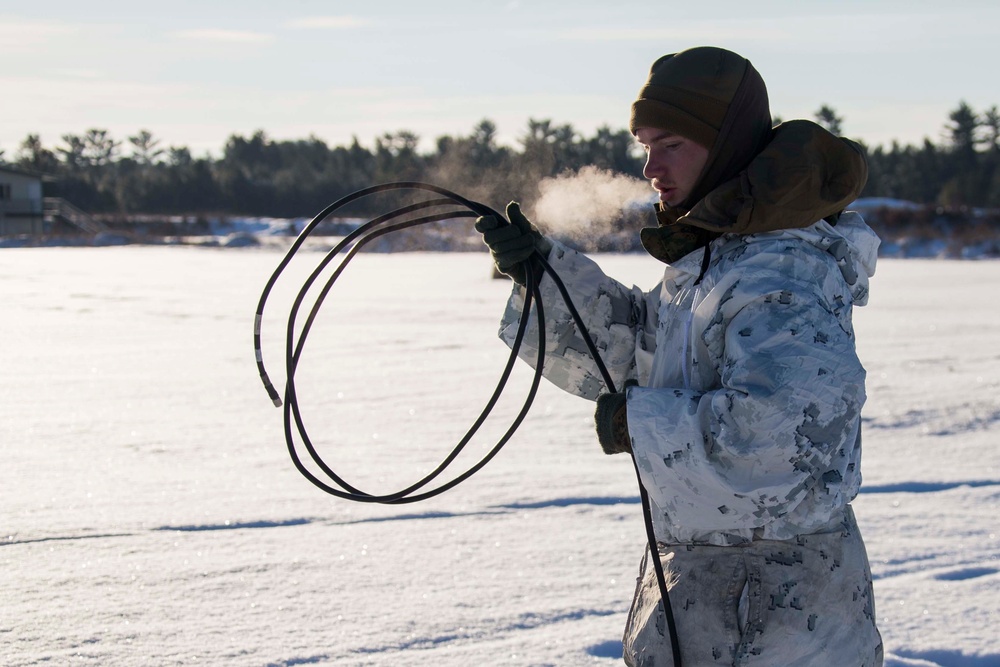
[806, 602]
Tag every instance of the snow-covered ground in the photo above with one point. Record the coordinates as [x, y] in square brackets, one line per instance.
[151, 515]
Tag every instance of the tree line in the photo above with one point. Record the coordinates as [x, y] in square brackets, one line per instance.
[260, 176]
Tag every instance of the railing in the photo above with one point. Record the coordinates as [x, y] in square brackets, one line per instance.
[57, 208]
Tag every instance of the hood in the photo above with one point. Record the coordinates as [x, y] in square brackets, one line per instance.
[803, 174]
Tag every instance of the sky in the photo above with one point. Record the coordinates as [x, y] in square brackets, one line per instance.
[195, 73]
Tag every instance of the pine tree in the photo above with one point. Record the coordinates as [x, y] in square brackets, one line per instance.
[965, 187]
[145, 149]
[32, 155]
[829, 119]
[962, 133]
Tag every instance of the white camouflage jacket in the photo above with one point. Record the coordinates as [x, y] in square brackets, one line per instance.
[746, 421]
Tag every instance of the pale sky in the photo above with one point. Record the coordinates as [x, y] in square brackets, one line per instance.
[194, 73]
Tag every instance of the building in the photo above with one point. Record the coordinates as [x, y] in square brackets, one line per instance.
[22, 208]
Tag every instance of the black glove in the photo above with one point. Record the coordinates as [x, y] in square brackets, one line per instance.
[612, 422]
[511, 244]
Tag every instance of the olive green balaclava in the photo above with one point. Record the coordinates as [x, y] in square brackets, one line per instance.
[717, 99]
[756, 179]
[713, 97]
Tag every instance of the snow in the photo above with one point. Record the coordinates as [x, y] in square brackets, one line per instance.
[866, 205]
[151, 514]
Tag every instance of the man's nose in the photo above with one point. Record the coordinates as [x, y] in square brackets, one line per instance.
[652, 169]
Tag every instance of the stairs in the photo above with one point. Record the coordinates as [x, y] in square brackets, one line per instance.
[57, 209]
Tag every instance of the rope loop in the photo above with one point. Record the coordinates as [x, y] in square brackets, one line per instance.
[445, 205]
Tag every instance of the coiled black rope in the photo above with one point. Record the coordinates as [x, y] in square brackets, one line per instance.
[447, 205]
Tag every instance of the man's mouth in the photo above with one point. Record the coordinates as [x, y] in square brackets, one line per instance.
[664, 192]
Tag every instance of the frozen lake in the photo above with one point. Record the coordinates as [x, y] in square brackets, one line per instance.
[151, 515]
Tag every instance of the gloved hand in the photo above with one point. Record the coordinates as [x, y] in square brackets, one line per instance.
[511, 244]
[612, 422]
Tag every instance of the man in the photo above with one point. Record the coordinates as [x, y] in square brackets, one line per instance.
[745, 422]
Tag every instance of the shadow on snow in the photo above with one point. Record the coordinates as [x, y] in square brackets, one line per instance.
[951, 658]
[609, 649]
[926, 487]
[235, 525]
[593, 501]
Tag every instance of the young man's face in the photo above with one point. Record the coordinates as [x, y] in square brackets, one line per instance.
[673, 163]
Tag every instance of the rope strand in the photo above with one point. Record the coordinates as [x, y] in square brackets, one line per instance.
[295, 339]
